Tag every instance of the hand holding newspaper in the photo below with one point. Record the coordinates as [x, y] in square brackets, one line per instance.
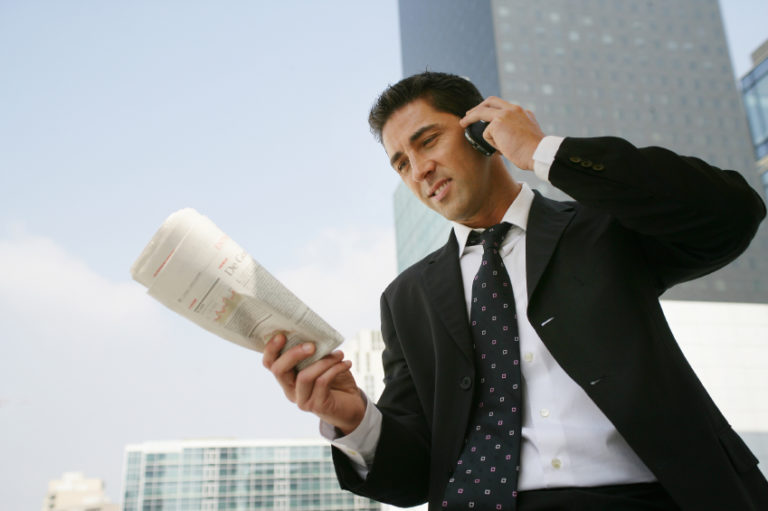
[196, 270]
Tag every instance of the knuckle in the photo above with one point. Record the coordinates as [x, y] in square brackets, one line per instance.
[322, 381]
[303, 378]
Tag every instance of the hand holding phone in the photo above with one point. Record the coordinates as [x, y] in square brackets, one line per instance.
[474, 134]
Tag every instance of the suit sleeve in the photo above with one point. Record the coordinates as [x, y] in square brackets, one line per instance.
[690, 217]
[399, 474]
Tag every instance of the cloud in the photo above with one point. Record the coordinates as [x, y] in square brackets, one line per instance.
[343, 276]
[108, 365]
[98, 364]
[49, 290]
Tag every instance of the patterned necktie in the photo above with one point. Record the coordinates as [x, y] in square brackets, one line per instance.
[485, 477]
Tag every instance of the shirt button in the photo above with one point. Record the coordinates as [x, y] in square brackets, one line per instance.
[556, 463]
[544, 412]
[528, 357]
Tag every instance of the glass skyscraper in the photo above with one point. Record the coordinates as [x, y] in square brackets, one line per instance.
[754, 86]
[652, 72]
[208, 475]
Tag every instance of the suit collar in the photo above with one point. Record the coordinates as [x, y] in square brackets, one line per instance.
[516, 214]
[546, 223]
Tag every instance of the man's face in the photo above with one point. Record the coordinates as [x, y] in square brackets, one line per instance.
[428, 150]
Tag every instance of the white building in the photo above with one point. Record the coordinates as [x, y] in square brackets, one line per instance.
[206, 475]
[73, 492]
[727, 346]
[364, 350]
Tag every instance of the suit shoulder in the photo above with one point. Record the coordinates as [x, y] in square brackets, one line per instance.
[411, 275]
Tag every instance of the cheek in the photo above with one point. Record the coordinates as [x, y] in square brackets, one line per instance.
[412, 186]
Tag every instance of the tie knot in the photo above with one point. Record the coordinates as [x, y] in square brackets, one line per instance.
[491, 237]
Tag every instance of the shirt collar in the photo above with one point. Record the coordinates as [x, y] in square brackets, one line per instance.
[517, 215]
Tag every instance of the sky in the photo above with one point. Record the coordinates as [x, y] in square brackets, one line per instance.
[115, 114]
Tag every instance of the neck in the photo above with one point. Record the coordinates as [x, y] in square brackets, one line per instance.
[503, 194]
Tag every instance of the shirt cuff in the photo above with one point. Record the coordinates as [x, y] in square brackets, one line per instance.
[360, 445]
[544, 155]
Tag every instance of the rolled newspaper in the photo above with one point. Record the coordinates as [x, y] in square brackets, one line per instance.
[196, 270]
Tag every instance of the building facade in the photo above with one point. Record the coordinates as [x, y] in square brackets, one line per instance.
[75, 492]
[364, 350]
[653, 72]
[725, 345]
[754, 87]
[208, 475]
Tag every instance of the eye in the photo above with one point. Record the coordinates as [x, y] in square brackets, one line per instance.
[428, 140]
[401, 165]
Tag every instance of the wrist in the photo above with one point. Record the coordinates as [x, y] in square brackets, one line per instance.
[349, 423]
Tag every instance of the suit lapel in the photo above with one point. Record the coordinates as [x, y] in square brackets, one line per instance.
[546, 223]
[442, 276]
[443, 284]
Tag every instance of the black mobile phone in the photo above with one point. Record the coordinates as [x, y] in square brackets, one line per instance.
[474, 134]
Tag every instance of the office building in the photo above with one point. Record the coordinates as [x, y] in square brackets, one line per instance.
[754, 87]
[364, 350]
[75, 492]
[653, 72]
[725, 345]
[208, 475]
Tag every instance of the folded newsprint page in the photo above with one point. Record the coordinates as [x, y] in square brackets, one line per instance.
[196, 270]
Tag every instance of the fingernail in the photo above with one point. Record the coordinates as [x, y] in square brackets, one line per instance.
[308, 347]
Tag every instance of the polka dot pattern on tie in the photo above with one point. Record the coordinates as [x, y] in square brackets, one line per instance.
[486, 471]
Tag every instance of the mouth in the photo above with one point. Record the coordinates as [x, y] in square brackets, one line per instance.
[439, 189]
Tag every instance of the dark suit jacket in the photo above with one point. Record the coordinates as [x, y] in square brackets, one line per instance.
[645, 220]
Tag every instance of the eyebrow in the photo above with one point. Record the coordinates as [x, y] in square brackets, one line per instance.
[413, 138]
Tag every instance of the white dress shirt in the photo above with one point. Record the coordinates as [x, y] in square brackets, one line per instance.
[566, 439]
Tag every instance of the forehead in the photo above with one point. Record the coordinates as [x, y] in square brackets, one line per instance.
[408, 120]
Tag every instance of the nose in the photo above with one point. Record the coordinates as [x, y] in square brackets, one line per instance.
[422, 168]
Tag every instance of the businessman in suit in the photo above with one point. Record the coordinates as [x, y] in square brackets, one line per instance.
[611, 416]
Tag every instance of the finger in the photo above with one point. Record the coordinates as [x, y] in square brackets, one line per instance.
[323, 383]
[488, 110]
[288, 359]
[484, 110]
[479, 113]
[284, 368]
[318, 401]
[305, 379]
[272, 349]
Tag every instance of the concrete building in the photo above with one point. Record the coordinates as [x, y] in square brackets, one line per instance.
[754, 87]
[75, 492]
[364, 350]
[207, 475]
[653, 72]
[725, 343]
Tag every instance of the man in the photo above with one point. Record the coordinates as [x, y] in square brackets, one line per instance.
[612, 415]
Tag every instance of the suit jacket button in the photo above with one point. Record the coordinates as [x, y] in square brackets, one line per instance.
[598, 166]
[575, 159]
[586, 163]
[465, 383]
